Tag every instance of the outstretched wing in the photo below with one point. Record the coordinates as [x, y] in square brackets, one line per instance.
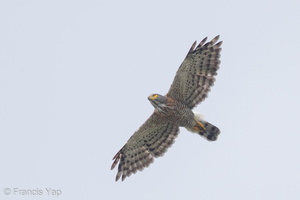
[152, 139]
[195, 75]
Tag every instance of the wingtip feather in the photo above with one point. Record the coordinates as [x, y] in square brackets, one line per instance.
[193, 46]
[202, 42]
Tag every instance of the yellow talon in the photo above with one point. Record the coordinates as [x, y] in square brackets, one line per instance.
[196, 129]
[200, 124]
[199, 127]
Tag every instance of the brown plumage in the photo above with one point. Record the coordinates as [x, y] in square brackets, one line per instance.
[191, 85]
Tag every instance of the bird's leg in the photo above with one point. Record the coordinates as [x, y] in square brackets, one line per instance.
[199, 127]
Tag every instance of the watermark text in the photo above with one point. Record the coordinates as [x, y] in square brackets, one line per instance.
[32, 192]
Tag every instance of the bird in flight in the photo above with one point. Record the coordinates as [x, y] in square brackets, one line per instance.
[192, 83]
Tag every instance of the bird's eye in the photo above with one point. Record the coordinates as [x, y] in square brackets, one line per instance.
[153, 96]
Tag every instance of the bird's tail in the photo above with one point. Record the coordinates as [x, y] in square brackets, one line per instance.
[204, 128]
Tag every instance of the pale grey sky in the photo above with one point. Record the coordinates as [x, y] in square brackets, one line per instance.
[74, 82]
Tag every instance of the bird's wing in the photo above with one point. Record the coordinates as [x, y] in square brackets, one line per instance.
[152, 139]
[195, 75]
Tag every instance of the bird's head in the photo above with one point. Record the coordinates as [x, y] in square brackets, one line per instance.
[159, 102]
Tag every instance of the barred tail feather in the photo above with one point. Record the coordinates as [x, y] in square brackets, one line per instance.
[205, 129]
[211, 133]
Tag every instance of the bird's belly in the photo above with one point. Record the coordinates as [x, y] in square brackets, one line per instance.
[183, 118]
